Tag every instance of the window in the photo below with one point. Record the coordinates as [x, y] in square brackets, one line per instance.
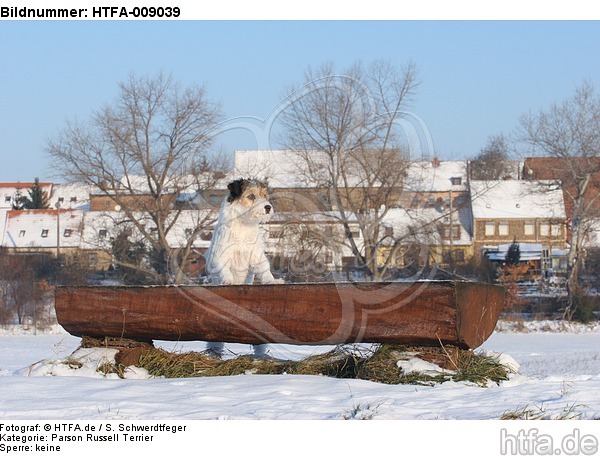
[73, 199]
[490, 228]
[454, 255]
[453, 230]
[447, 257]
[93, 260]
[22, 233]
[107, 204]
[103, 234]
[545, 229]
[67, 232]
[44, 233]
[431, 201]
[529, 229]
[7, 199]
[555, 229]
[61, 199]
[503, 229]
[456, 180]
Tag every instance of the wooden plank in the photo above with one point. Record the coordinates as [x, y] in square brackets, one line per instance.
[425, 313]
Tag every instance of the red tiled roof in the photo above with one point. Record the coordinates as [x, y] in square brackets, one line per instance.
[563, 169]
[23, 184]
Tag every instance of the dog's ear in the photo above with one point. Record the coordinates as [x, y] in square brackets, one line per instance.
[236, 189]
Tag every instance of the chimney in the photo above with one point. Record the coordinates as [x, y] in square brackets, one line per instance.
[435, 162]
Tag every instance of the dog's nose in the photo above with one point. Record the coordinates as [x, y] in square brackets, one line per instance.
[267, 208]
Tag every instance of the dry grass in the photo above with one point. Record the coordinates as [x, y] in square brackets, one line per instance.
[107, 368]
[379, 365]
[534, 412]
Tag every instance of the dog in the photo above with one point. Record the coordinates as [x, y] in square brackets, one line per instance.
[237, 250]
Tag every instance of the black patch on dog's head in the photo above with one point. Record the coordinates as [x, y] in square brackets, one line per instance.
[237, 187]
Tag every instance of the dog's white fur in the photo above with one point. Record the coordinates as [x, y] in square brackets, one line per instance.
[237, 251]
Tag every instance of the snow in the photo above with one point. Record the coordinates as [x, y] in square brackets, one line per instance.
[426, 176]
[556, 370]
[285, 170]
[425, 223]
[38, 228]
[47, 378]
[413, 365]
[514, 199]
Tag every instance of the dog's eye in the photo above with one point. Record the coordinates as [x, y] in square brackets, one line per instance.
[252, 197]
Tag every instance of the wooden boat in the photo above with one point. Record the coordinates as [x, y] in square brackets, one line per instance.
[457, 313]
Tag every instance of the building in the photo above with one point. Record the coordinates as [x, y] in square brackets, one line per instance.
[9, 191]
[519, 211]
[43, 231]
[435, 209]
[70, 196]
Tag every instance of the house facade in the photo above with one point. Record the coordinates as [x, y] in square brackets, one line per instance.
[524, 212]
[438, 213]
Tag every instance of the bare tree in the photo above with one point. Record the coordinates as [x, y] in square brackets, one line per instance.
[492, 162]
[21, 290]
[143, 152]
[567, 139]
[345, 131]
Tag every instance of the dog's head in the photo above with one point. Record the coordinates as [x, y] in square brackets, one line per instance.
[250, 198]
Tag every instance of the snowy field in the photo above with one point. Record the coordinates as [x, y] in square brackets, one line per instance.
[558, 375]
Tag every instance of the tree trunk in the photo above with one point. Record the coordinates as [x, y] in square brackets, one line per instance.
[419, 313]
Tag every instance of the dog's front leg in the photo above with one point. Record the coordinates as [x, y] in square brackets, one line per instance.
[263, 271]
[222, 274]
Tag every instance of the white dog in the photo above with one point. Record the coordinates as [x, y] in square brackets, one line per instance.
[237, 251]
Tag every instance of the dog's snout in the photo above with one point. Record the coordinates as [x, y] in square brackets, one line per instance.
[267, 208]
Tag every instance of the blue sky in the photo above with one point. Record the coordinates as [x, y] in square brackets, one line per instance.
[477, 77]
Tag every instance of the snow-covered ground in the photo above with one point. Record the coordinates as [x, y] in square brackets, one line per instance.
[559, 375]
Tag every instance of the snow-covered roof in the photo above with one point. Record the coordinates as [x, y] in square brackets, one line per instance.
[71, 196]
[288, 169]
[437, 176]
[528, 252]
[425, 224]
[101, 227]
[38, 229]
[186, 223]
[186, 182]
[282, 168]
[8, 191]
[516, 200]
